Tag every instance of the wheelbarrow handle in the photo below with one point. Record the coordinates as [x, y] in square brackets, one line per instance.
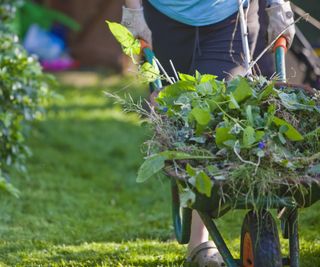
[280, 49]
[150, 56]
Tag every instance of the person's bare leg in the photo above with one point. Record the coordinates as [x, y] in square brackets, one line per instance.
[199, 233]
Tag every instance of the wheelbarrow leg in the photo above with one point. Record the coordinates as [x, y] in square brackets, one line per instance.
[293, 238]
[218, 240]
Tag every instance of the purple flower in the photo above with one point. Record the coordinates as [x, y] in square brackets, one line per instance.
[261, 145]
[164, 109]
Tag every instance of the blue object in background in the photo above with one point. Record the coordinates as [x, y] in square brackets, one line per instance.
[43, 43]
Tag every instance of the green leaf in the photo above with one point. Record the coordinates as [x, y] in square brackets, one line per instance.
[233, 104]
[212, 102]
[156, 163]
[149, 72]
[248, 136]
[213, 170]
[171, 155]
[268, 90]
[186, 77]
[270, 115]
[259, 135]
[202, 116]
[174, 90]
[242, 91]
[208, 78]
[249, 115]
[190, 170]
[204, 88]
[186, 197]
[4, 185]
[291, 102]
[281, 138]
[314, 170]
[222, 135]
[150, 167]
[130, 45]
[203, 184]
[292, 134]
[260, 153]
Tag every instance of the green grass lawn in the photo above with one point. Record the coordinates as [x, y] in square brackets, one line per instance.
[80, 204]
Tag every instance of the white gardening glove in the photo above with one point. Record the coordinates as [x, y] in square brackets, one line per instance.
[134, 20]
[280, 17]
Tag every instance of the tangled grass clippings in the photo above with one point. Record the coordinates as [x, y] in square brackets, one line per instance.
[245, 136]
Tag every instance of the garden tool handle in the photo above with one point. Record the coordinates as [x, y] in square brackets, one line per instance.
[280, 49]
[150, 56]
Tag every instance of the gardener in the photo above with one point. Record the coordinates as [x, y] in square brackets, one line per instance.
[203, 35]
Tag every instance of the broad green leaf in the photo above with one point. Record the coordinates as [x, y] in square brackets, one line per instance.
[150, 167]
[213, 170]
[248, 136]
[208, 78]
[186, 77]
[314, 170]
[230, 143]
[281, 138]
[187, 197]
[198, 76]
[204, 88]
[242, 90]
[214, 101]
[149, 72]
[222, 135]
[202, 116]
[198, 139]
[171, 155]
[233, 104]
[130, 45]
[220, 177]
[291, 102]
[249, 115]
[259, 135]
[200, 129]
[203, 184]
[6, 186]
[270, 114]
[292, 134]
[174, 90]
[190, 170]
[268, 90]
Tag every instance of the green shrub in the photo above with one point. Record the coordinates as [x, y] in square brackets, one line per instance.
[23, 90]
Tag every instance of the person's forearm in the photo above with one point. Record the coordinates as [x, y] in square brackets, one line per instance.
[133, 3]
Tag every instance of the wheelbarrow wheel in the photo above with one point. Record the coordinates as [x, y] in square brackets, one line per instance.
[260, 245]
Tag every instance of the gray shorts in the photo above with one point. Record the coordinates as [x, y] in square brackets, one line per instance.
[213, 49]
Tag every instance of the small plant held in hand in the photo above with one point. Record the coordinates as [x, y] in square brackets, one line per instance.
[244, 136]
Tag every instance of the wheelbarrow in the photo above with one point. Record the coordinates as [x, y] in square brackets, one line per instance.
[260, 243]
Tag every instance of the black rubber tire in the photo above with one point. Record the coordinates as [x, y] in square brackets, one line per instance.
[261, 228]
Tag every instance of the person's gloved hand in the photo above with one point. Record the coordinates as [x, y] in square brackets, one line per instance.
[280, 17]
[134, 20]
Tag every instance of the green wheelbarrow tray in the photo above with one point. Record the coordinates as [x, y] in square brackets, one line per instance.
[303, 196]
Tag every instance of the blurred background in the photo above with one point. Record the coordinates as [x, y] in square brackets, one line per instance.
[71, 34]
